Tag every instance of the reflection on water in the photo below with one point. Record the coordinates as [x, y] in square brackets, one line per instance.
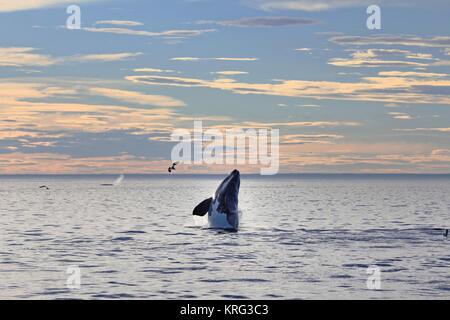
[300, 237]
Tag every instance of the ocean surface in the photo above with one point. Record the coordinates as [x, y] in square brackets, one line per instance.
[301, 237]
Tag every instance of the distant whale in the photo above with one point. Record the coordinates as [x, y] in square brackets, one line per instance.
[223, 209]
[115, 183]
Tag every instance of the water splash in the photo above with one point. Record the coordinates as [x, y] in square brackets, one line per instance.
[118, 180]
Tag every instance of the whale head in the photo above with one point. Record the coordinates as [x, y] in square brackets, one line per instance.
[223, 209]
[226, 197]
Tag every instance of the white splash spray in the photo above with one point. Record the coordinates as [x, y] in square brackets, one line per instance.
[118, 180]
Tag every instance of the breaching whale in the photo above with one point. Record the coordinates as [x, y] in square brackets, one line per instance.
[223, 209]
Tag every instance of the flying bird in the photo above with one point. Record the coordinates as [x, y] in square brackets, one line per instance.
[172, 167]
[44, 187]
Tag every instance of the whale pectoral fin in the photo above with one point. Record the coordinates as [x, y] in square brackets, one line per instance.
[202, 208]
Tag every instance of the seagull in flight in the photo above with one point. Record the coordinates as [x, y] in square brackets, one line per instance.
[172, 167]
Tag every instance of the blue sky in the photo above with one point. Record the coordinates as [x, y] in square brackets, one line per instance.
[105, 98]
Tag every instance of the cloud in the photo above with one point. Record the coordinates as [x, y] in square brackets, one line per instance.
[404, 117]
[105, 57]
[400, 115]
[322, 5]
[350, 73]
[441, 152]
[385, 89]
[20, 5]
[412, 74]
[230, 73]
[307, 157]
[32, 122]
[23, 106]
[219, 59]
[294, 125]
[372, 53]
[137, 97]
[119, 23]
[371, 63]
[264, 22]
[254, 124]
[23, 56]
[423, 56]
[309, 138]
[29, 71]
[441, 63]
[305, 5]
[426, 129]
[58, 137]
[168, 33]
[368, 57]
[310, 106]
[438, 41]
[41, 136]
[152, 70]
[303, 49]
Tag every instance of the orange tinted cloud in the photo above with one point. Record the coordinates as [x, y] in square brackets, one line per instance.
[385, 89]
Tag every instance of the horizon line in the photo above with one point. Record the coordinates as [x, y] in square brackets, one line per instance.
[206, 174]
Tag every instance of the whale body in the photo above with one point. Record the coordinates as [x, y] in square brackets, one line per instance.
[223, 209]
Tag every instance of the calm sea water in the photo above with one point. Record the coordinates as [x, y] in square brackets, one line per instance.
[301, 237]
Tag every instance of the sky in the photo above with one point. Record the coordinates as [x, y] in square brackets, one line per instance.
[106, 98]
